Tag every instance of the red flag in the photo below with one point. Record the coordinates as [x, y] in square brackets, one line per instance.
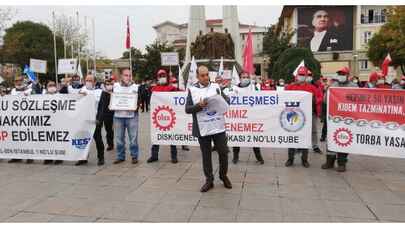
[128, 40]
[248, 55]
[385, 64]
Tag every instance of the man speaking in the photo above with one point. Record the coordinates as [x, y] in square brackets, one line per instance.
[208, 111]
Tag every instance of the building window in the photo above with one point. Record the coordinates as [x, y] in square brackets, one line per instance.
[366, 37]
[372, 16]
[363, 64]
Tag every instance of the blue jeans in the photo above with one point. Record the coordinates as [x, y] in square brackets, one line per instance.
[120, 126]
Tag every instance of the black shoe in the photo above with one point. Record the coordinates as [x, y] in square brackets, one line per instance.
[227, 182]
[341, 168]
[261, 162]
[214, 148]
[323, 139]
[134, 161]
[150, 160]
[305, 163]
[317, 150]
[235, 160]
[58, 162]
[81, 162]
[174, 161]
[289, 162]
[118, 161]
[100, 162]
[185, 148]
[207, 186]
[47, 162]
[29, 161]
[109, 148]
[15, 160]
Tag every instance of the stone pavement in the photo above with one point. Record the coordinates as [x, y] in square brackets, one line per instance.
[372, 190]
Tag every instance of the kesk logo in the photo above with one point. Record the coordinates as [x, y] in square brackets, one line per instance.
[292, 118]
[81, 140]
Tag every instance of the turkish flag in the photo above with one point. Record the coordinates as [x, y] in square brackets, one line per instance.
[128, 40]
[385, 64]
[248, 55]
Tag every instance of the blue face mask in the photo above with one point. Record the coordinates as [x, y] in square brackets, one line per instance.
[244, 82]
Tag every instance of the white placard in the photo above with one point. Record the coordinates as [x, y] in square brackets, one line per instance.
[169, 58]
[38, 66]
[123, 101]
[67, 66]
[40, 127]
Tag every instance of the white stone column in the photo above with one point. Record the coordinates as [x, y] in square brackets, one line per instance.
[196, 23]
[231, 22]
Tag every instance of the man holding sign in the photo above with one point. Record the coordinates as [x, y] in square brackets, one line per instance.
[207, 104]
[124, 102]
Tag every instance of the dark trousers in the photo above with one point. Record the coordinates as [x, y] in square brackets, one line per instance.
[220, 142]
[145, 104]
[155, 152]
[256, 151]
[99, 142]
[324, 127]
[292, 151]
[108, 126]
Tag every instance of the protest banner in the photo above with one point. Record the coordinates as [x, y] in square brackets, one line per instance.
[367, 121]
[255, 119]
[38, 66]
[67, 66]
[54, 127]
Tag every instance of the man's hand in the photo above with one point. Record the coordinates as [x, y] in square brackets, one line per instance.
[83, 93]
[203, 103]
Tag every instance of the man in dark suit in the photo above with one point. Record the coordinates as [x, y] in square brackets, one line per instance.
[213, 131]
[324, 38]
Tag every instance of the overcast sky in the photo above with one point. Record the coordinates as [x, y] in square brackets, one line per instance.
[110, 21]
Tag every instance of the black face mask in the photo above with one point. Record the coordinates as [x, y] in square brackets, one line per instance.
[76, 84]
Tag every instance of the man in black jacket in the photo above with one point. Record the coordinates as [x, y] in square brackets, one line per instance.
[197, 105]
[107, 114]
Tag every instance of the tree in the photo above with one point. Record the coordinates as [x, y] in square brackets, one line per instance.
[25, 40]
[275, 42]
[139, 64]
[153, 58]
[6, 14]
[290, 59]
[390, 39]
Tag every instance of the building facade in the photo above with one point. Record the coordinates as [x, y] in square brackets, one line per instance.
[365, 22]
[176, 35]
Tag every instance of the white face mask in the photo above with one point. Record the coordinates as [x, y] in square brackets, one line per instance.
[162, 81]
[308, 79]
[380, 81]
[402, 82]
[301, 78]
[109, 87]
[89, 85]
[341, 78]
[244, 82]
[52, 89]
[281, 83]
[356, 81]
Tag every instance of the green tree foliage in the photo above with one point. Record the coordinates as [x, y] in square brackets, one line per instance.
[25, 40]
[275, 42]
[290, 59]
[390, 39]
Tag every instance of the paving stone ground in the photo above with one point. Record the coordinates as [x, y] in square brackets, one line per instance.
[372, 190]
